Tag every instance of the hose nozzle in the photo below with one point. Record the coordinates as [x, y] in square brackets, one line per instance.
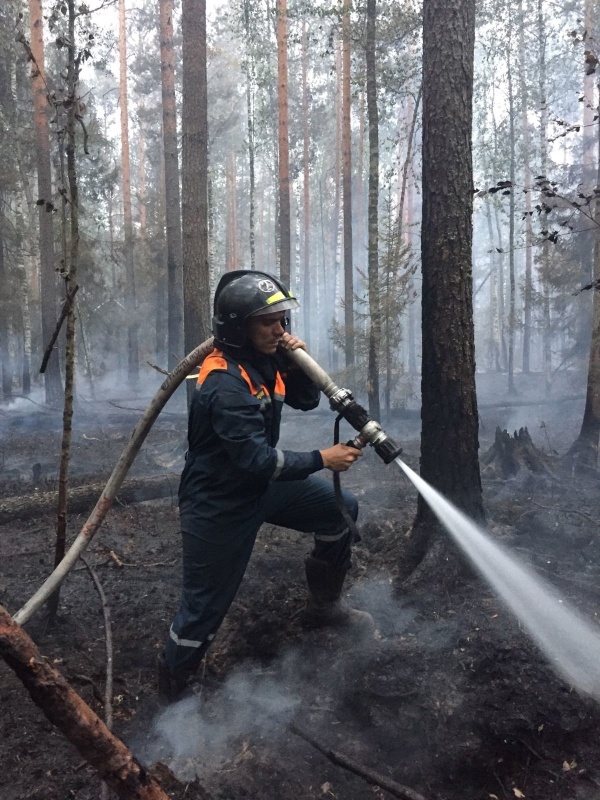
[342, 401]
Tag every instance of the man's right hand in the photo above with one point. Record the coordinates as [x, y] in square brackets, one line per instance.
[340, 457]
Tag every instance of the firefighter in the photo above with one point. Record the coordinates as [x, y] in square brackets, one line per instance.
[236, 478]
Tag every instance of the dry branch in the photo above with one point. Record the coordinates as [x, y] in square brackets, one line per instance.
[108, 755]
[82, 498]
[116, 479]
[65, 310]
[372, 777]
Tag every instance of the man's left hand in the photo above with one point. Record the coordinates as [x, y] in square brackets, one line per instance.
[289, 342]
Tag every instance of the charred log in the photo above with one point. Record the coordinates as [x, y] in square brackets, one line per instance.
[108, 755]
[82, 498]
[511, 454]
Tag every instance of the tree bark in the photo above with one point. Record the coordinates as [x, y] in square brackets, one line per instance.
[449, 436]
[130, 288]
[512, 315]
[70, 283]
[196, 283]
[583, 454]
[373, 239]
[48, 283]
[108, 755]
[528, 288]
[250, 78]
[347, 188]
[175, 345]
[285, 246]
[545, 254]
[306, 296]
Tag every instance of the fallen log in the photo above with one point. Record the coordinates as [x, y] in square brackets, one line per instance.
[82, 498]
[106, 753]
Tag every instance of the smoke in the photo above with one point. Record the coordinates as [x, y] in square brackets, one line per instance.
[196, 736]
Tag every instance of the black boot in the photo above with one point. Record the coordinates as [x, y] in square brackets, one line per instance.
[324, 606]
[172, 686]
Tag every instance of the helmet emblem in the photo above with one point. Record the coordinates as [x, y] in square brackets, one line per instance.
[267, 286]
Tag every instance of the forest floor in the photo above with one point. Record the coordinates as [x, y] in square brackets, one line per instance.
[451, 698]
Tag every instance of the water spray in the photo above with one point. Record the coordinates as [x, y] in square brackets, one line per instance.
[341, 400]
[569, 641]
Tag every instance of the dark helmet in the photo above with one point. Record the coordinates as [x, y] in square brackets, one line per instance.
[246, 293]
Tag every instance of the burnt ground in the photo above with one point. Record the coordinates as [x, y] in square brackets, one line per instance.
[450, 699]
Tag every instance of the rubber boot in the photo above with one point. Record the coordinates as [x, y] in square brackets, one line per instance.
[324, 607]
[172, 686]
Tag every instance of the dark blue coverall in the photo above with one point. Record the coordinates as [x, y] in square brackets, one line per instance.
[235, 478]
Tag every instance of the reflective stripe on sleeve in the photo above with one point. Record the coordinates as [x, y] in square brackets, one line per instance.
[184, 642]
[279, 465]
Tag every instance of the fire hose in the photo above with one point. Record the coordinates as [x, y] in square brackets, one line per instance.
[341, 400]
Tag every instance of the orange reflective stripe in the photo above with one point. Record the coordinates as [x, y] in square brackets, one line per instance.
[279, 392]
[213, 361]
[246, 377]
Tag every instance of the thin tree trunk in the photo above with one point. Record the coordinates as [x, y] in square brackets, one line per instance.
[196, 283]
[285, 252]
[130, 288]
[48, 285]
[7, 374]
[175, 345]
[347, 188]
[583, 454]
[545, 254]
[373, 246]
[250, 128]
[70, 281]
[306, 173]
[528, 288]
[512, 320]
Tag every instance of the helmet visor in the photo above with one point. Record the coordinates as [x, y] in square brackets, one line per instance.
[285, 304]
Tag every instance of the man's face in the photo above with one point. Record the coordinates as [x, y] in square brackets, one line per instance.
[265, 331]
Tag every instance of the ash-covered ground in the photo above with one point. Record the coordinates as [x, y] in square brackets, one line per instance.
[450, 699]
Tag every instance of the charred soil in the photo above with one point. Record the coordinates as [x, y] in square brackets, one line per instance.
[450, 698]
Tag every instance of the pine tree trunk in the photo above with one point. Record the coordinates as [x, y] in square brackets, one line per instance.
[130, 288]
[250, 127]
[48, 283]
[175, 346]
[583, 454]
[512, 318]
[285, 252]
[70, 281]
[7, 374]
[527, 156]
[449, 437]
[306, 282]
[196, 284]
[373, 245]
[545, 254]
[347, 188]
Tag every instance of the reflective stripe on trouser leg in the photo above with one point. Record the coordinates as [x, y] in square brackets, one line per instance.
[213, 568]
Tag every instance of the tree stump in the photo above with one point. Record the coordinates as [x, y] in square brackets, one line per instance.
[511, 454]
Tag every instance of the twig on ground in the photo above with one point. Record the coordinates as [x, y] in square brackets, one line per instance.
[567, 511]
[372, 777]
[108, 684]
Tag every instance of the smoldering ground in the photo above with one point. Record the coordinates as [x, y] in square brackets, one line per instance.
[313, 684]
